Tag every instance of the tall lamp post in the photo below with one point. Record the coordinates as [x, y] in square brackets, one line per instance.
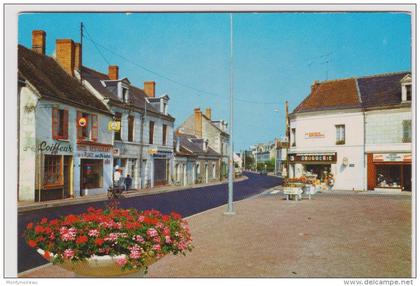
[230, 188]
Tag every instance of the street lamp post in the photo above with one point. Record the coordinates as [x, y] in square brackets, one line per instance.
[230, 188]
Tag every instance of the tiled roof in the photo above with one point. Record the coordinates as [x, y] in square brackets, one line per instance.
[327, 95]
[364, 92]
[52, 82]
[194, 145]
[137, 95]
[381, 90]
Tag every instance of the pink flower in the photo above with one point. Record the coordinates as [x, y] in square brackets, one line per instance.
[93, 232]
[151, 232]
[156, 239]
[112, 237]
[68, 234]
[138, 238]
[68, 253]
[140, 219]
[168, 239]
[122, 261]
[166, 231]
[135, 252]
[159, 225]
[156, 247]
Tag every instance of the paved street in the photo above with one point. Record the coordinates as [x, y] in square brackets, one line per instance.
[185, 202]
[332, 235]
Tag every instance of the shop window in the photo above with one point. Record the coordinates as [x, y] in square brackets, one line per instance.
[87, 129]
[117, 134]
[151, 131]
[60, 119]
[130, 128]
[164, 129]
[53, 171]
[388, 176]
[92, 172]
[293, 137]
[340, 135]
[406, 131]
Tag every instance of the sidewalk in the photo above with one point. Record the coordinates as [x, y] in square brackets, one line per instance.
[30, 206]
[329, 236]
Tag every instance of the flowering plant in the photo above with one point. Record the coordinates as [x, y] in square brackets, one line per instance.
[137, 237]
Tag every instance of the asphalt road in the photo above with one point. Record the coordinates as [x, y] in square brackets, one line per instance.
[186, 202]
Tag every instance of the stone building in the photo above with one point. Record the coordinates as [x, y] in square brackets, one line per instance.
[65, 149]
[214, 131]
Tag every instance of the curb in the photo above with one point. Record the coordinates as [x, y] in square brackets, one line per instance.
[103, 197]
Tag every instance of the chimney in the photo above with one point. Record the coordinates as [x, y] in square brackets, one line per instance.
[197, 123]
[77, 56]
[65, 55]
[149, 88]
[208, 113]
[113, 72]
[38, 41]
[314, 86]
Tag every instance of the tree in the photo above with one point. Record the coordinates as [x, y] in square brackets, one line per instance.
[249, 162]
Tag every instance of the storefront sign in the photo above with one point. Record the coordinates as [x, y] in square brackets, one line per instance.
[93, 155]
[314, 135]
[94, 148]
[82, 122]
[163, 155]
[152, 151]
[55, 148]
[392, 157]
[313, 157]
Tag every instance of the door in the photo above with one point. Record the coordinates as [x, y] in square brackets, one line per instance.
[67, 177]
[160, 172]
[407, 178]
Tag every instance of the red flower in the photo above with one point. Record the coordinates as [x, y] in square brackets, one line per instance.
[175, 215]
[165, 218]
[81, 239]
[53, 222]
[70, 219]
[32, 243]
[47, 255]
[99, 241]
[30, 225]
[39, 229]
[44, 220]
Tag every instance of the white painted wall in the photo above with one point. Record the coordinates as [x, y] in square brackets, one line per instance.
[345, 177]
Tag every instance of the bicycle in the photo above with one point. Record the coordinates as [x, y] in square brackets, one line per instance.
[115, 192]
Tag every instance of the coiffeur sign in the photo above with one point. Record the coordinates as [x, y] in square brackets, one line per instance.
[55, 148]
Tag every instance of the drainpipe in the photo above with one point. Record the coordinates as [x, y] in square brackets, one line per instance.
[364, 153]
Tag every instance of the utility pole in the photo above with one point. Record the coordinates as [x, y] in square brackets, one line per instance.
[81, 52]
[288, 138]
[230, 188]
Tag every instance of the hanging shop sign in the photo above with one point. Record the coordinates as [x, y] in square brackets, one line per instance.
[116, 152]
[152, 151]
[114, 125]
[314, 135]
[82, 122]
[55, 148]
[313, 157]
[392, 157]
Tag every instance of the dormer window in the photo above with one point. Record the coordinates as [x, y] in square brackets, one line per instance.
[124, 94]
[165, 108]
[406, 92]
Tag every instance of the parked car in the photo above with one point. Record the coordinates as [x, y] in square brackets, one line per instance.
[263, 172]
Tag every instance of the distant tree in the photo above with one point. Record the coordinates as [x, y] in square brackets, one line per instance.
[249, 162]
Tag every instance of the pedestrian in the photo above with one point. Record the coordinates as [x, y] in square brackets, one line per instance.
[330, 182]
[117, 176]
[127, 182]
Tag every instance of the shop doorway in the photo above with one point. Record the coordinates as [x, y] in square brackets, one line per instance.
[321, 170]
[160, 172]
[67, 171]
[407, 178]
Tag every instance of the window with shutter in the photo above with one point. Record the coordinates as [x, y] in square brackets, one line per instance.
[79, 128]
[65, 124]
[151, 131]
[94, 132]
[406, 131]
[55, 123]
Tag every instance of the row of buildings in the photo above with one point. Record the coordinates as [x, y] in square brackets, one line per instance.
[357, 129]
[77, 126]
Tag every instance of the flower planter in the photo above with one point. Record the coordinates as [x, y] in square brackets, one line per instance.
[293, 193]
[100, 266]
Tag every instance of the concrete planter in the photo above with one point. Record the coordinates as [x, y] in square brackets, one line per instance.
[99, 266]
[293, 193]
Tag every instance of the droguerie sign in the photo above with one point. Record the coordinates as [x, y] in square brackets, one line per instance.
[54, 148]
[314, 135]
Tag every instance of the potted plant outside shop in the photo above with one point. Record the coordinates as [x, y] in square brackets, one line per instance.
[109, 242]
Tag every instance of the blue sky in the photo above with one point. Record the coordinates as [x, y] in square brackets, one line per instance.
[277, 56]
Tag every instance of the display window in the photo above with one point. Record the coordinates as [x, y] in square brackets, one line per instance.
[53, 171]
[388, 176]
[92, 173]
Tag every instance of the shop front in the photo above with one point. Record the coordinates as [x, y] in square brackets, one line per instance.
[54, 170]
[93, 168]
[127, 160]
[161, 167]
[316, 165]
[389, 171]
